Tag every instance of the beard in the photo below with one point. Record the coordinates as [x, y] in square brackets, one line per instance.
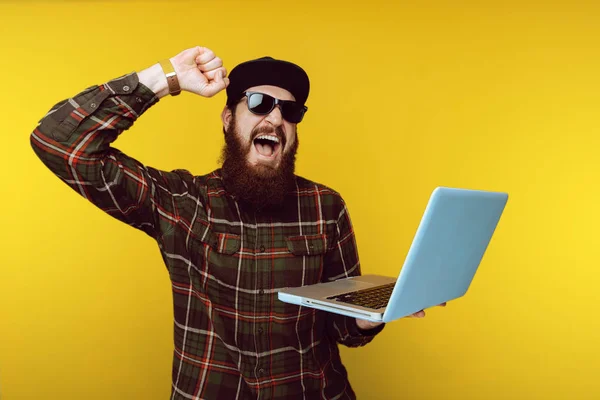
[257, 186]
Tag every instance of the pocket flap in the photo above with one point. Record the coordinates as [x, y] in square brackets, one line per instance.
[227, 243]
[307, 245]
[224, 243]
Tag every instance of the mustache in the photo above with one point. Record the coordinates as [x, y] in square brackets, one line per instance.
[268, 130]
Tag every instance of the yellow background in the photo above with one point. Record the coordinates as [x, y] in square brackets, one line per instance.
[405, 97]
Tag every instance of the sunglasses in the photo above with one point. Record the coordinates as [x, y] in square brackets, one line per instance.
[263, 104]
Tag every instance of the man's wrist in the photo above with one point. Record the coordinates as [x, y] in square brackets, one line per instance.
[154, 78]
[368, 328]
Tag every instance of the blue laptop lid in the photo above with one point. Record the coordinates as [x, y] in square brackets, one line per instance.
[447, 249]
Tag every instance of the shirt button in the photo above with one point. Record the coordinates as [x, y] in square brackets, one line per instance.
[260, 330]
[262, 249]
[138, 99]
[93, 105]
[126, 88]
[261, 291]
[261, 371]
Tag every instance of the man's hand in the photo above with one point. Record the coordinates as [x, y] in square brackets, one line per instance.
[366, 325]
[198, 71]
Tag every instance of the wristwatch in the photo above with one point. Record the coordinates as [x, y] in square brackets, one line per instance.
[174, 88]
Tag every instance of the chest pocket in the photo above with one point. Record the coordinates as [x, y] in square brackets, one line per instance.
[226, 243]
[307, 245]
[215, 253]
[305, 265]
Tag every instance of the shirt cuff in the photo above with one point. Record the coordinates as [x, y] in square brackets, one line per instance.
[134, 93]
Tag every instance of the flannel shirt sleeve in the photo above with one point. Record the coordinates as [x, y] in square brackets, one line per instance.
[74, 141]
[342, 262]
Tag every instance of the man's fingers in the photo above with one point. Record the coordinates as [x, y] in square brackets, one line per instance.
[215, 85]
[421, 314]
[205, 56]
[211, 65]
[212, 75]
[221, 80]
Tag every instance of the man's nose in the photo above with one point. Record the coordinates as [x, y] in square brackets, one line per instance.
[275, 117]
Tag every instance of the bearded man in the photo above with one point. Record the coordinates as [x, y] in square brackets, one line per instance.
[230, 239]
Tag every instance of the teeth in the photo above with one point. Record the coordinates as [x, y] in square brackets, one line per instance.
[269, 137]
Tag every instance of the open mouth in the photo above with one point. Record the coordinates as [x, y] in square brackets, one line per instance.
[267, 145]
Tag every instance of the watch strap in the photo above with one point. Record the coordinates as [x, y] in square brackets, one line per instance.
[171, 75]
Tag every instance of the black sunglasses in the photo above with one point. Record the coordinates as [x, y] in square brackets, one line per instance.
[263, 104]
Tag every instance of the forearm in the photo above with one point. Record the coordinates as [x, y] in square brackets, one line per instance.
[75, 136]
[154, 78]
[345, 331]
[74, 141]
[80, 129]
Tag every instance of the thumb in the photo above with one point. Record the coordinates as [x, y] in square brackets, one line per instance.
[223, 79]
[217, 84]
[221, 82]
[219, 77]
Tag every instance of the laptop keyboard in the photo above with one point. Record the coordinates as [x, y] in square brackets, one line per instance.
[375, 298]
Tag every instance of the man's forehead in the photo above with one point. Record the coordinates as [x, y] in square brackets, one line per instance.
[274, 91]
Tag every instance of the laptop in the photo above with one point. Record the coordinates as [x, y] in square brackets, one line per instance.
[447, 249]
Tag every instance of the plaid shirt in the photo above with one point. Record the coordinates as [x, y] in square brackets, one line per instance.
[233, 338]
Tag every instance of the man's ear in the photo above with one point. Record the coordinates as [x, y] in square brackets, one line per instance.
[226, 116]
